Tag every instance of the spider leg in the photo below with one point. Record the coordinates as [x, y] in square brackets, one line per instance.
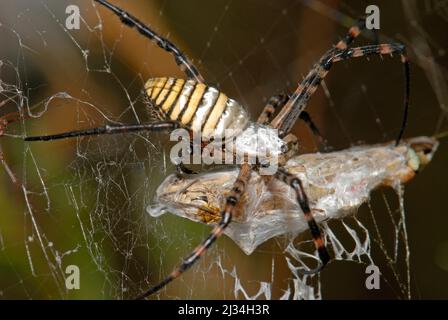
[295, 183]
[305, 117]
[351, 35]
[226, 216]
[286, 118]
[278, 101]
[273, 104]
[181, 59]
[160, 126]
[183, 169]
[384, 49]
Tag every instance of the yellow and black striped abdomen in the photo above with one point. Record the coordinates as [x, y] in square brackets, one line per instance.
[200, 107]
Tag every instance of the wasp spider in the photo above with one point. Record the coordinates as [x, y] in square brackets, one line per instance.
[200, 108]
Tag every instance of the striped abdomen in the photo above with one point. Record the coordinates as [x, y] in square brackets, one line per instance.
[202, 108]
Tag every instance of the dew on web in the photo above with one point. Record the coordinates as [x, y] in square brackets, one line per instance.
[83, 202]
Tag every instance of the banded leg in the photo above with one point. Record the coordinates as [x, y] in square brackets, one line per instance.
[232, 199]
[351, 35]
[306, 118]
[161, 126]
[278, 101]
[287, 117]
[385, 49]
[302, 199]
[181, 59]
[273, 104]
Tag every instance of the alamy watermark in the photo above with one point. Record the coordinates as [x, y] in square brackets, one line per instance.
[72, 281]
[374, 279]
[373, 17]
[72, 22]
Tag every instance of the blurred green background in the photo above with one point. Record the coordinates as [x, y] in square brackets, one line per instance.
[83, 201]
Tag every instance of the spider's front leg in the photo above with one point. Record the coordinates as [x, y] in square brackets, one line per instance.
[277, 102]
[286, 118]
[232, 200]
[181, 59]
[159, 126]
[295, 183]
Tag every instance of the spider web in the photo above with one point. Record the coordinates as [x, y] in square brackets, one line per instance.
[83, 202]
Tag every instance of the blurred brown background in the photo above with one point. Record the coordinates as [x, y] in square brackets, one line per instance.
[85, 200]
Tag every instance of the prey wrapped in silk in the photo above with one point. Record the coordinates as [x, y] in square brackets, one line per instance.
[336, 183]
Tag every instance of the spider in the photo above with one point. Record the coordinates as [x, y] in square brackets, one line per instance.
[200, 108]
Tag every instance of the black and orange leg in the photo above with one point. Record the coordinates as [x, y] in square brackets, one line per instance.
[277, 102]
[232, 199]
[384, 49]
[306, 118]
[351, 35]
[289, 114]
[181, 59]
[160, 126]
[274, 103]
[295, 183]
[286, 118]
